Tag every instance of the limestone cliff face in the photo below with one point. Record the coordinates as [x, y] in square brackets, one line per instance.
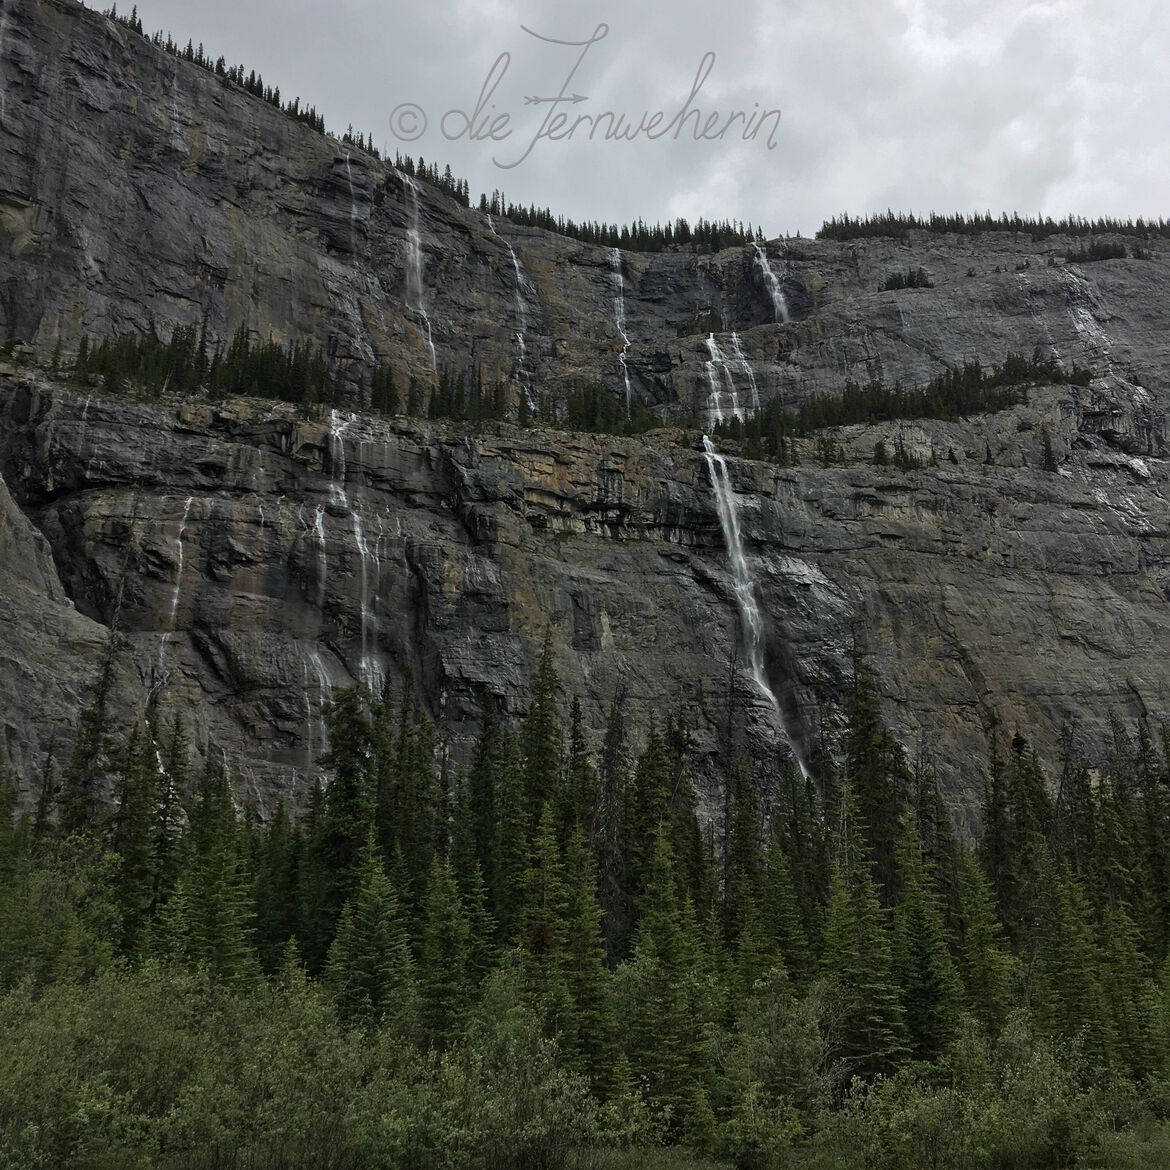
[253, 559]
[258, 560]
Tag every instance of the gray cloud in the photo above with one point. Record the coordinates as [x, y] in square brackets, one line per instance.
[1048, 107]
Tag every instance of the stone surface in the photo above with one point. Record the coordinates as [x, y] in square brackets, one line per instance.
[223, 544]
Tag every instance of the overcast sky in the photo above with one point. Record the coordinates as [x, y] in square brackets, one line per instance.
[1050, 107]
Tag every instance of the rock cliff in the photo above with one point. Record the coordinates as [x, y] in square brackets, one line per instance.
[253, 558]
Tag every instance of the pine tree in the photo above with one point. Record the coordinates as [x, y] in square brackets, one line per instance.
[340, 825]
[369, 969]
[510, 855]
[929, 988]
[277, 881]
[1066, 992]
[445, 991]
[877, 775]
[541, 739]
[990, 972]
[579, 792]
[611, 803]
[582, 958]
[133, 835]
[210, 915]
[779, 915]
[543, 931]
[856, 954]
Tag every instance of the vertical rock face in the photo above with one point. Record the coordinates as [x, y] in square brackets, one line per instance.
[252, 561]
[242, 560]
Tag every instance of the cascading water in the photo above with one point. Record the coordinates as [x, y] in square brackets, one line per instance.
[745, 365]
[369, 672]
[718, 371]
[415, 267]
[353, 215]
[779, 304]
[523, 286]
[745, 590]
[324, 688]
[176, 591]
[367, 664]
[619, 312]
[322, 557]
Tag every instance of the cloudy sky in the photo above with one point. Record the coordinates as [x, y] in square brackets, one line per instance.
[913, 104]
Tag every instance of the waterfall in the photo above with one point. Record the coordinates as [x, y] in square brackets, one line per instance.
[324, 687]
[745, 365]
[718, 372]
[414, 270]
[337, 492]
[322, 558]
[745, 591]
[779, 304]
[369, 671]
[177, 545]
[179, 557]
[619, 312]
[368, 668]
[523, 285]
[353, 215]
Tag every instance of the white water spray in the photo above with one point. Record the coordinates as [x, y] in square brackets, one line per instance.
[369, 672]
[717, 374]
[324, 688]
[745, 365]
[415, 267]
[353, 215]
[745, 591]
[322, 557]
[523, 287]
[176, 591]
[619, 312]
[368, 668]
[779, 304]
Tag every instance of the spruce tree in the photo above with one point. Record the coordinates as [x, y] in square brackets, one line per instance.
[929, 988]
[856, 955]
[991, 974]
[444, 983]
[132, 836]
[582, 958]
[541, 738]
[210, 916]
[369, 970]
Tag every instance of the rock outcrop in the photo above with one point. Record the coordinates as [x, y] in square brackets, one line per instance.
[246, 559]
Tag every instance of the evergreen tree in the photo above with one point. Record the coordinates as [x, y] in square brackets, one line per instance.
[990, 972]
[209, 919]
[369, 969]
[582, 957]
[541, 739]
[929, 988]
[856, 954]
[132, 836]
[445, 991]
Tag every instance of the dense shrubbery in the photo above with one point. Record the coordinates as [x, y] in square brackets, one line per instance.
[970, 389]
[549, 957]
